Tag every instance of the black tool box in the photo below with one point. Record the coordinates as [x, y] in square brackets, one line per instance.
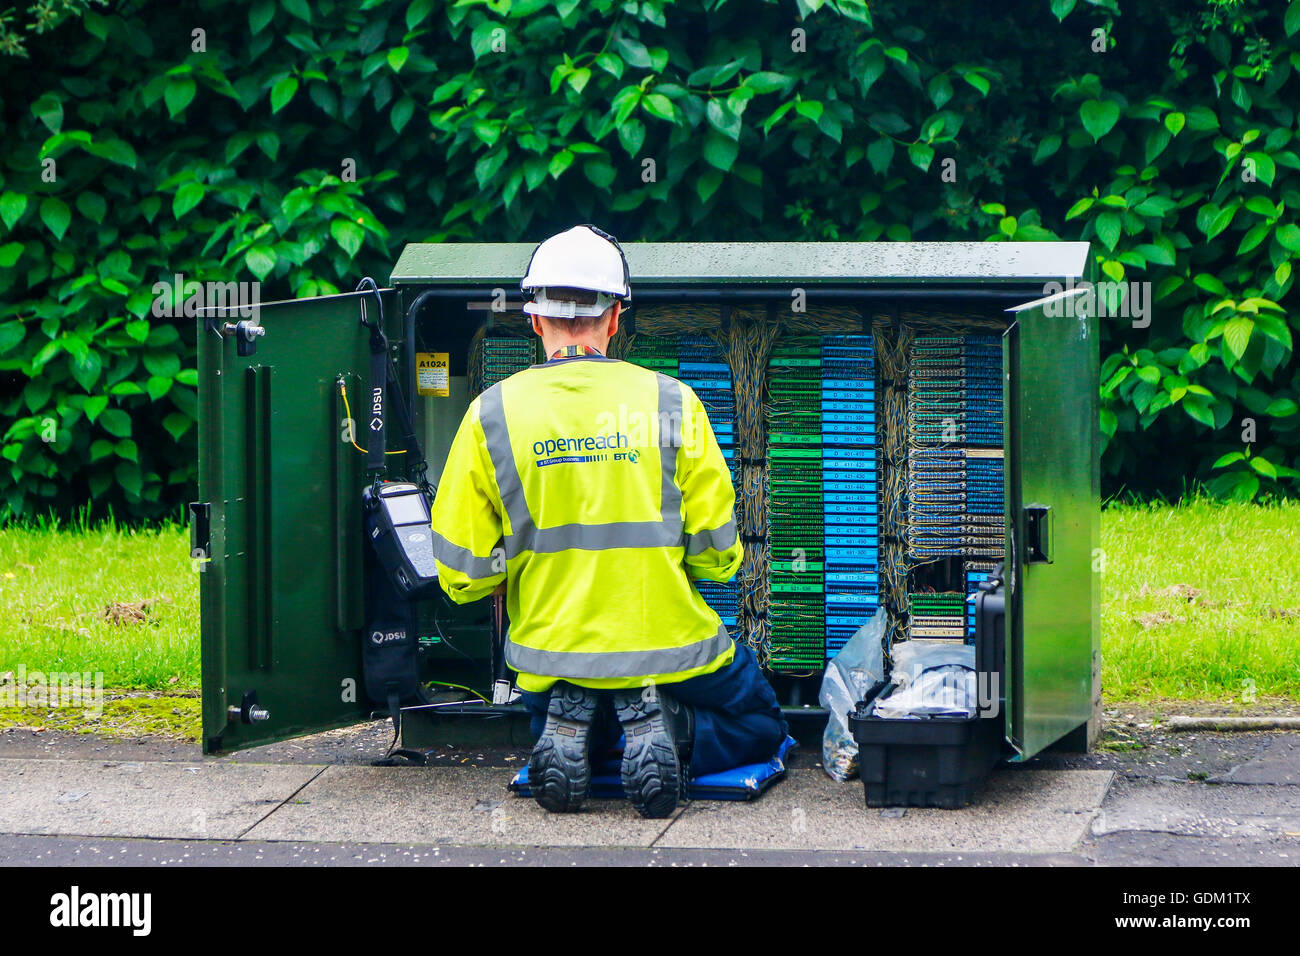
[939, 761]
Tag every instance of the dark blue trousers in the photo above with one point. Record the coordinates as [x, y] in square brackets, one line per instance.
[737, 718]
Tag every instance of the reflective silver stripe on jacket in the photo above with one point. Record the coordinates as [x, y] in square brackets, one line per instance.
[668, 660]
[463, 560]
[719, 539]
[526, 536]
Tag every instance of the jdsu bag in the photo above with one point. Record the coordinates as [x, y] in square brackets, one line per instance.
[399, 565]
[390, 640]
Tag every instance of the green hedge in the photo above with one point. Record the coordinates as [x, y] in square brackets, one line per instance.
[302, 144]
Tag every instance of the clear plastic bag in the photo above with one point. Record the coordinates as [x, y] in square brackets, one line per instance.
[947, 690]
[859, 665]
[911, 658]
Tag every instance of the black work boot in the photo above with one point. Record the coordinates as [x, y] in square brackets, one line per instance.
[559, 771]
[659, 732]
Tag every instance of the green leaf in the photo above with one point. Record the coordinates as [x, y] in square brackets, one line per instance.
[115, 151]
[1264, 167]
[260, 15]
[1236, 335]
[1047, 148]
[12, 207]
[1080, 207]
[94, 405]
[939, 90]
[91, 205]
[49, 110]
[260, 261]
[347, 234]
[116, 422]
[1228, 459]
[811, 109]
[85, 371]
[1253, 237]
[128, 477]
[1263, 466]
[283, 92]
[708, 184]
[417, 12]
[921, 156]
[1235, 486]
[1174, 122]
[178, 93]
[632, 134]
[560, 162]
[1220, 221]
[157, 386]
[56, 215]
[9, 254]
[401, 113]
[1211, 284]
[299, 8]
[397, 58]
[1198, 410]
[656, 104]
[880, 154]
[187, 197]
[1292, 20]
[1061, 8]
[1282, 408]
[767, 82]
[163, 364]
[177, 424]
[1109, 225]
[1099, 117]
[1288, 236]
[722, 118]
[720, 151]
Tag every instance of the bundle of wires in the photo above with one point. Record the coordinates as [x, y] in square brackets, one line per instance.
[749, 342]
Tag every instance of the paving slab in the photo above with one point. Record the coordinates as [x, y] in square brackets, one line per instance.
[142, 799]
[1278, 764]
[469, 806]
[1203, 810]
[1022, 811]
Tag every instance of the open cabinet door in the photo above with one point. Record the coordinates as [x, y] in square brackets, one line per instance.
[1052, 442]
[277, 528]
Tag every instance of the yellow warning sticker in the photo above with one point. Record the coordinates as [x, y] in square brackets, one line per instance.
[431, 373]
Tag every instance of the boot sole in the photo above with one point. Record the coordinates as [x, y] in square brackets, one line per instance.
[559, 770]
[652, 769]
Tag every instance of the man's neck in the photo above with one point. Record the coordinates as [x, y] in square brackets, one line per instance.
[551, 345]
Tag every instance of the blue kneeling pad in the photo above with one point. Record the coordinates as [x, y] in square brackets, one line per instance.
[740, 783]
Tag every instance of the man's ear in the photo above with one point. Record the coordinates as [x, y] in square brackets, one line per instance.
[613, 319]
[537, 323]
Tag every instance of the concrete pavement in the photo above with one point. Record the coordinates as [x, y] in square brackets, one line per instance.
[312, 802]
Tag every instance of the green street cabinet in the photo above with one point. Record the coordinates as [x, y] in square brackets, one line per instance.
[277, 530]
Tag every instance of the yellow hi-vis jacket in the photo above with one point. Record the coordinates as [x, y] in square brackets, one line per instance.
[596, 489]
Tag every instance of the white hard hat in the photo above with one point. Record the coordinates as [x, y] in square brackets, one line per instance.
[584, 258]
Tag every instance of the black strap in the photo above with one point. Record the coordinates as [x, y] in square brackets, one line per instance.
[376, 440]
[402, 414]
[377, 398]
